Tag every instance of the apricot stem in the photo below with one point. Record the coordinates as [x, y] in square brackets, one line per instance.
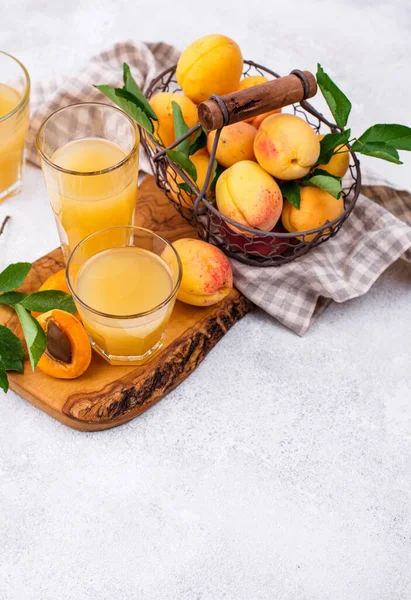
[3, 225]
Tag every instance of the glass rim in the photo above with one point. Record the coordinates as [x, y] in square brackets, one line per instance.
[26, 94]
[88, 173]
[136, 315]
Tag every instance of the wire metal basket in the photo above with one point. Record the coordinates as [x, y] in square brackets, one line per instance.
[247, 245]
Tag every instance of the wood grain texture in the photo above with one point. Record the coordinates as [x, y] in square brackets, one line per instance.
[107, 396]
[256, 100]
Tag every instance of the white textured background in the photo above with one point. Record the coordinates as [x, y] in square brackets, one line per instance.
[281, 467]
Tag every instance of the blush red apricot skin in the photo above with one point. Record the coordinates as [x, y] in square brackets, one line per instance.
[248, 195]
[286, 146]
[207, 275]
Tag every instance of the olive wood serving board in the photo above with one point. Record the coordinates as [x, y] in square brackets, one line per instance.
[107, 396]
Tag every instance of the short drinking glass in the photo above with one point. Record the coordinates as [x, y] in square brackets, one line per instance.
[89, 156]
[14, 122]
[124, 281]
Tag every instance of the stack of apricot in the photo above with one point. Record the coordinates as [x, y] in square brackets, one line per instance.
[255, 157]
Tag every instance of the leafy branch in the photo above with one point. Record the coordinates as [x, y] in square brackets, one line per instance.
[380, 141]
[11, 348]
[131, 100]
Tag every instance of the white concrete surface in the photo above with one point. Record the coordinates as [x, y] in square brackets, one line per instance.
[281, 468]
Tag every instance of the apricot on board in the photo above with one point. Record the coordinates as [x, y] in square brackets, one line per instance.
[207, 275]
[68, 353]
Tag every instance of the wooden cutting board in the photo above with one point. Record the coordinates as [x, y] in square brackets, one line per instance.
[107, 396]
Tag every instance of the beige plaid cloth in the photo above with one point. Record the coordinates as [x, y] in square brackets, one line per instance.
[345, 267]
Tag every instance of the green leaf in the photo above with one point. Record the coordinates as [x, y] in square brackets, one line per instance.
[134, 111]
[131, 85]
[330, 143]
[13, 276]
[4, 381]
[324, 180]
[11, 364]
[35, 336]
[10, 298]
[48, 300]
[337, 101]
[184, 162]
[10, 345]
[185, 187]
[377, 150]
[180, 128]
[217, 170]
[397, 136]
[199, 141]
[292, 191]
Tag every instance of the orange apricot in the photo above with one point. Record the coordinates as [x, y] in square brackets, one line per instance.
[68, 353]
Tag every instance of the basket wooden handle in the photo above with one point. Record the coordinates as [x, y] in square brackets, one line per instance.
[250, 102]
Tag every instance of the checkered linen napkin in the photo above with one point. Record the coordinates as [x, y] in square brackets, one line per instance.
[374, 236]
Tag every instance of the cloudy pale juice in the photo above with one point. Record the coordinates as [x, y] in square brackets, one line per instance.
[125, 281]
[84, 204]
[13, 131]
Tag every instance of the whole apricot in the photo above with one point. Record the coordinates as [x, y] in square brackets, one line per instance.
[236, 143]
[201, 161]
[207, 275]
[316, 208]
[252, 81]
[256, 122]
[161, 104]
[339, 163]
[286, 146]
[211, 65]
[248, 195]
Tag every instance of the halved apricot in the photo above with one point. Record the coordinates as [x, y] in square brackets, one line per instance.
[68, 353]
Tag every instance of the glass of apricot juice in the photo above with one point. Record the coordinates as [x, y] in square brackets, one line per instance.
[89, 156]
[124, 281]
[14, 122]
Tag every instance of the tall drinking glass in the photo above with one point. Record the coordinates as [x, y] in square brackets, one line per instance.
[124, 281]
[14, 122]
[89, 156]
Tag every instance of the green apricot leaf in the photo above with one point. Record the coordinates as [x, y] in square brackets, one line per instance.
[292, 191]
[377, 150]
[180, 128]
[10, 298]
[48, 300]
[397, 136]
[10, 345]
[325, 181]
[13, 276]
[35, 336]
[199, 141]
[337, 101]
[131, 86]
[125, 100]
[4, 381]
[184, 162]
[330, 143]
